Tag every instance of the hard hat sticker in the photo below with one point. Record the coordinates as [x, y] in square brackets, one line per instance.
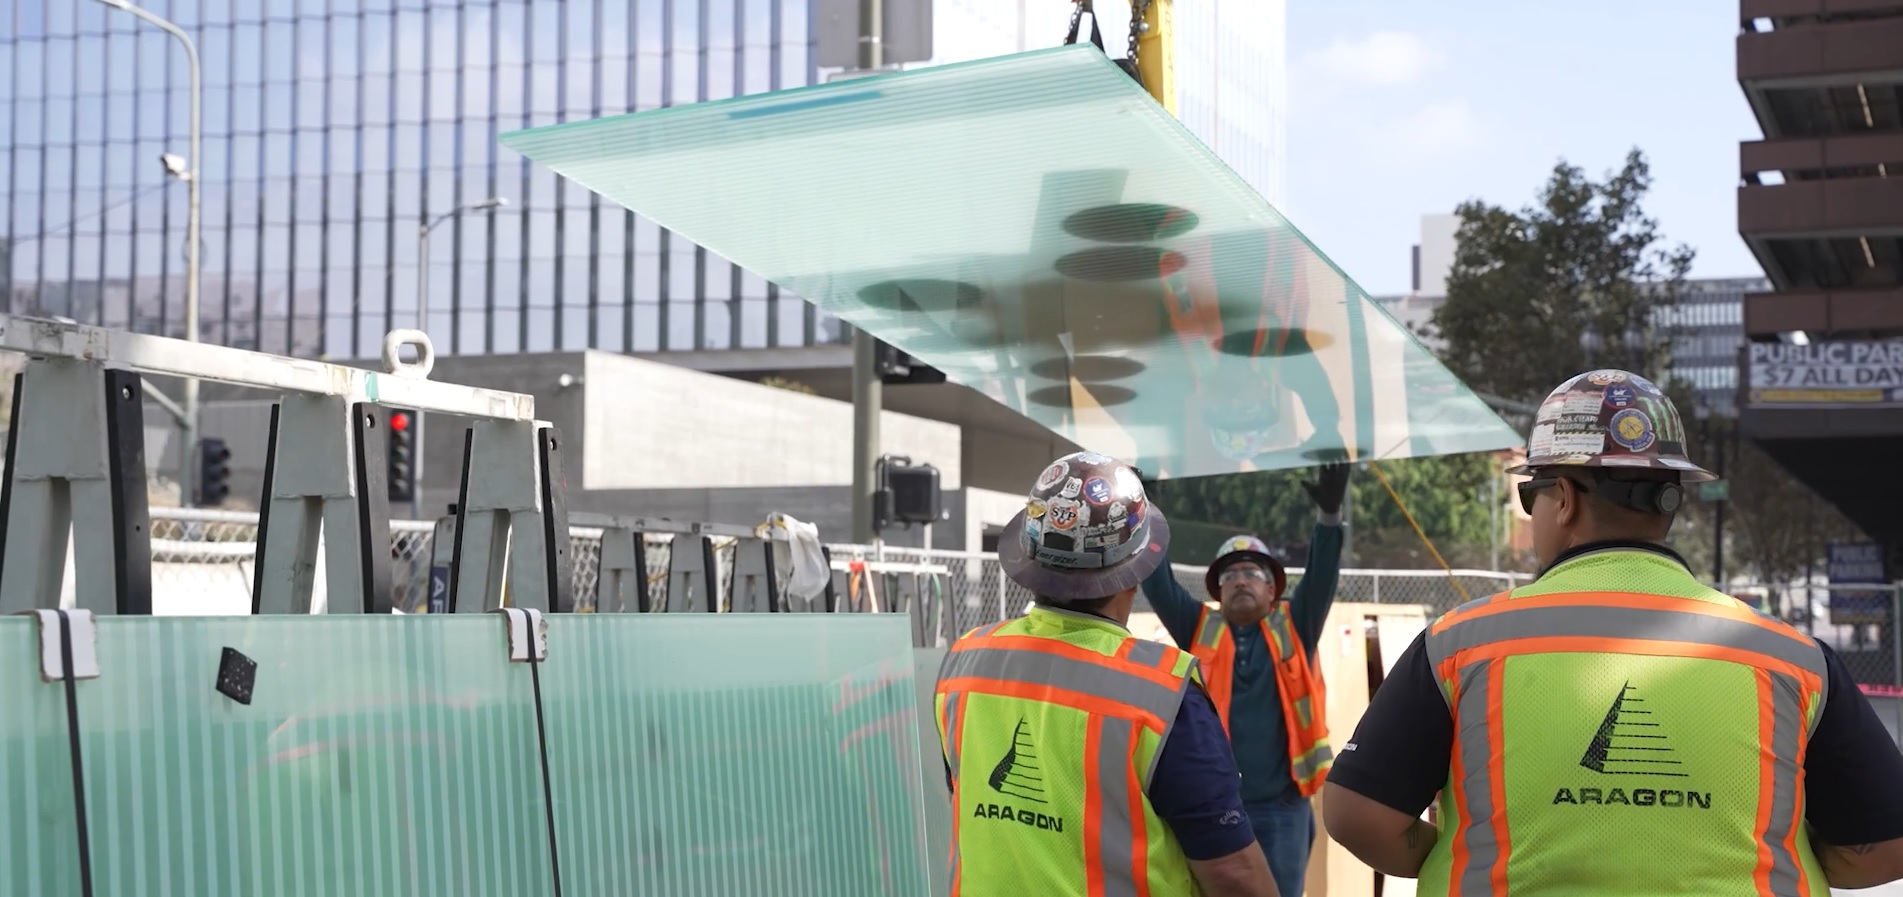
[1034, 509]
[1620, 396]
[1605, 378]
[1052, 475]
[1071, 487]
[1063, 513]
[1097, 490]
[1632, 430]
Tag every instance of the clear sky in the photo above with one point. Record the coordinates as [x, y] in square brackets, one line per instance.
[1400, 108]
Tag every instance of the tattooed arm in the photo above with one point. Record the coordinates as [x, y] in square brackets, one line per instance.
[1388, 840]
[1855, 866]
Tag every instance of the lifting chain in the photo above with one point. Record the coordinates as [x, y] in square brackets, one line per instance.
[1137, 10]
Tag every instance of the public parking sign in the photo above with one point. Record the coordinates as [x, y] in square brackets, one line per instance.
[1854, 564]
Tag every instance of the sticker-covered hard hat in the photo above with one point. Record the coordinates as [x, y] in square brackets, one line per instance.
[1610, 418]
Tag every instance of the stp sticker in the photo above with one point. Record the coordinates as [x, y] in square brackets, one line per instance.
[1063, 513]
[1620, 396]
[1097, 490]
[1052, 475]
[1632, 430]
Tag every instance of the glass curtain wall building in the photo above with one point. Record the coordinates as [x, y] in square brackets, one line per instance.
[332, 130]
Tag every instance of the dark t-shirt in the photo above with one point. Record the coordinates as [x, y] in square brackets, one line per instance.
[1853, 774]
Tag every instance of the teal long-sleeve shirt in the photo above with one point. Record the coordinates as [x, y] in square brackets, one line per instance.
[1257, 731]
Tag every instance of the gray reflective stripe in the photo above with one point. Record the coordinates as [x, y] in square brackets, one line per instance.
[1302, 711]
[1476, 789]
[1148, 653]
[1116, 831]
[1622, 622]
[1279, 631]
[1307, 765]
[1169, 725]
[1209, 629]
[954, 705]
[1787, 726]
[1041, 668]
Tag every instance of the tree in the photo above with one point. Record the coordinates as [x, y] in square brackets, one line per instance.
[1570, 283]
[1559, 287]
[1447, 496]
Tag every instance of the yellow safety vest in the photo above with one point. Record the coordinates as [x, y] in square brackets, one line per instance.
[1051, 725]
[1644, 740]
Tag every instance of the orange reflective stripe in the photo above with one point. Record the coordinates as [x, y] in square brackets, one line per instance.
[1093, 808]
[1052, 694]
[955, 736]
[1504, 603]
[1767, 771]
[1466, 611]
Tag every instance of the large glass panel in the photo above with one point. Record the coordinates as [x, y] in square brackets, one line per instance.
[755, 754]
[377, 756]
[1100, 271]
[39, 855]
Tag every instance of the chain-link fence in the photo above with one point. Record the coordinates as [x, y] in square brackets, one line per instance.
[200, 551]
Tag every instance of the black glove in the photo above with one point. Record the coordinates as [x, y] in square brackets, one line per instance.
[1330, 487]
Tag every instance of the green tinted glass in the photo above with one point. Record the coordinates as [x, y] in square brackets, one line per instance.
[1038, 228]
[735, 754]
[379, 756]
[39, 852]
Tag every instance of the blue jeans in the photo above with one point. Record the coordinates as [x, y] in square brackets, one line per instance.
[1286, 831]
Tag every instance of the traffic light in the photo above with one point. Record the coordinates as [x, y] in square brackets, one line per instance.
[214, 472]
[402, 456]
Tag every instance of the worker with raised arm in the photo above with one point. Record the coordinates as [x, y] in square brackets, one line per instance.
[1084, 761]
[1256, 650]
[1615, 726]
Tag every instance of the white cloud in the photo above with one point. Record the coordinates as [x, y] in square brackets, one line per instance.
[1445, 125]
[1383, 57]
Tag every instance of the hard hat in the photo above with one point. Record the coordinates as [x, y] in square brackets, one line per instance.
[1087, 531]
[1610, 419]
[1244, 548]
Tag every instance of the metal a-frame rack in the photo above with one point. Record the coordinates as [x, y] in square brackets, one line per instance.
[75, 464]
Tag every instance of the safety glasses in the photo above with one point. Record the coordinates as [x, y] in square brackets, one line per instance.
[1530, 490]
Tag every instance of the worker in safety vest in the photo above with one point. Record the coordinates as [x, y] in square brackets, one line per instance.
[1256, 648]
[1083, 760]
[1616, 727]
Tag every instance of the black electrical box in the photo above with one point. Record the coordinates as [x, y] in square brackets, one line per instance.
[896, 368]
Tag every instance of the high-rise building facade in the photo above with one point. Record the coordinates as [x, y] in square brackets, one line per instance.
[1820, 202]
[334, 130]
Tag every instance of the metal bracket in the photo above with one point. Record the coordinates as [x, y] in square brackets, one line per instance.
[511, 523]
[79, 627]
[76, 464]
[324, 476]
[527, 634]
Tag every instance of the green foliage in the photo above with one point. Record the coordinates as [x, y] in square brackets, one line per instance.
[1528, 287]
[1447, 496]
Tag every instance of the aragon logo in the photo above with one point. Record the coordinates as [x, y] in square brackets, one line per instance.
[1631, 741]
[1019, 776]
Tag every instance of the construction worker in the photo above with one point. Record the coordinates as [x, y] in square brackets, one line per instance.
[1255, 649]
[1083, 760]
[1616, 726]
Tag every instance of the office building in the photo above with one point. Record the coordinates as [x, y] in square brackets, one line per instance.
[1821, 205]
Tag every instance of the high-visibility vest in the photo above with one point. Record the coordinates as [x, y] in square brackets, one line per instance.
[1304, 696]
[1644, 741]
[1051, 724]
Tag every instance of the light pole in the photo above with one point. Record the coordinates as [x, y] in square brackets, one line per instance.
[185, 170]
[422, 321]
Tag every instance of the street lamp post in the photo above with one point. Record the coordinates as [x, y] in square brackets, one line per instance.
[422, 320]
[188, 172]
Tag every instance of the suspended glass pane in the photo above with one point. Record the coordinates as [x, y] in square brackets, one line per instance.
[715, 755]
[379, 756]
[1042, 231]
